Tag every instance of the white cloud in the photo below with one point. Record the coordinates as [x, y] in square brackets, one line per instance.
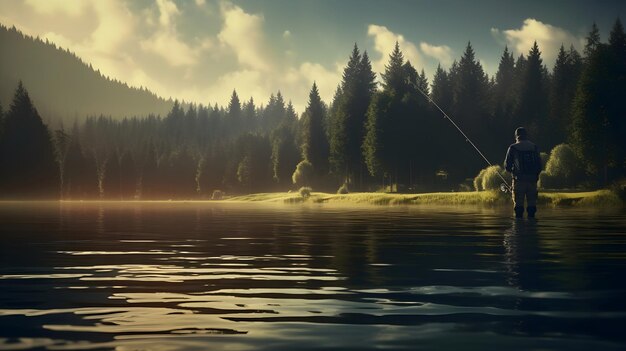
[52, 7]
[200, 3]
[549, 39]
[287, 34]
[442, 53]
[243, 33]
[166, 42]
[115, 25]
[385, 42]
[168, 10]
[170, 48]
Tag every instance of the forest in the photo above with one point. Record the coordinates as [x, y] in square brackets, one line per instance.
[371, 137]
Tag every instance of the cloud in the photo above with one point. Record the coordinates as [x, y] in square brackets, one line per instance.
[168, 10]
[72, 8]
[548, 37]
[243, 33]
[200, 3]
[170, 48]
[143, 46]
[166, 42]
[442, 53]
[385, 42]
[115, 26]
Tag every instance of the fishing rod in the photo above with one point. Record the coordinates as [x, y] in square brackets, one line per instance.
[504, 187]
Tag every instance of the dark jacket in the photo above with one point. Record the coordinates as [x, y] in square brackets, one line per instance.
[523, 161]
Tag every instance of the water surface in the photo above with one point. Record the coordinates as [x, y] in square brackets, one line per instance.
[200, 276]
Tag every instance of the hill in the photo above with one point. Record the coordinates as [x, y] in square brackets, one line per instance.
[62, 86]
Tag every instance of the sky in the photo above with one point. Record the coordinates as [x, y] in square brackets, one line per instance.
[200, 50]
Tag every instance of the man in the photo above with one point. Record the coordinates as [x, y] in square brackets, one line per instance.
[524, 163]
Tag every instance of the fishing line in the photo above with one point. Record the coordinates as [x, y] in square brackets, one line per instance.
[505, 187]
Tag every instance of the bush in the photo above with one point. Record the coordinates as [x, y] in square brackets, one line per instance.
[478, 181]
[343, 189]
[303, 173]
[563, 169]
[217, 195]
[489, 178]
[305, 192]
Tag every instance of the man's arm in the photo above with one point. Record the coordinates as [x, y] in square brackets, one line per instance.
[508, 160]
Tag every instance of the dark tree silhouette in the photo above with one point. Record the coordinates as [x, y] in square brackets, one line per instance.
[27, 160]
[315, 146]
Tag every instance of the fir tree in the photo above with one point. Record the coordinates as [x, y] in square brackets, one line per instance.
[593, 41]
[27, 162]
[533, 107]
[315, 147]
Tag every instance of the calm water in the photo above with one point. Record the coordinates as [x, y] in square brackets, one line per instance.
[204, 276]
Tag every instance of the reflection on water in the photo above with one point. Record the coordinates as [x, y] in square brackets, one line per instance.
[198, 276]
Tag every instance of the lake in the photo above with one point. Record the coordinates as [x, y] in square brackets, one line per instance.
[227, 276]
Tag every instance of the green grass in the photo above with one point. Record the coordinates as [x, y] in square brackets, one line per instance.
[485, 198]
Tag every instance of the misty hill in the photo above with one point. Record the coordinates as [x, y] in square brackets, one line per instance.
[62, 86]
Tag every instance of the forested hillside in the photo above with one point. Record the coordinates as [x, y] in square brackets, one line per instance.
[370, 137]
[63, 86]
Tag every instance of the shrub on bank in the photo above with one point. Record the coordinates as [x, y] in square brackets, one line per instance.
[562, 170]
[305, 192]
[303, 173]
[489, 178]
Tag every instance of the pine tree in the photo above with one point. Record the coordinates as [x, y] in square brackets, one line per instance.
[234, 114]
[562, 90]
[394, 77]
[315, 146]
[349, 119]
[617, 97]
[598, 122]
[593, 41]
[470, 109]
[533, 107]
[441, 91]
[249, 116]
[504, 94]
[27, 162]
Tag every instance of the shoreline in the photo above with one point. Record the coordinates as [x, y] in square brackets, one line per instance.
[599, 198]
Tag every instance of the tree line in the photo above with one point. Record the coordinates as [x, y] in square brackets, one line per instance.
[370, 137]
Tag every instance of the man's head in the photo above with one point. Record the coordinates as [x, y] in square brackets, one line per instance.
[521, 134]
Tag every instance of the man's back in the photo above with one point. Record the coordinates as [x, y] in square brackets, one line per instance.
[523, 160]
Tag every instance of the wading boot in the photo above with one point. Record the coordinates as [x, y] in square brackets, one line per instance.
[531, 211]
[519, 212]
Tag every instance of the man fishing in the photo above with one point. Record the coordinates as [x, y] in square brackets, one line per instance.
[524, 163]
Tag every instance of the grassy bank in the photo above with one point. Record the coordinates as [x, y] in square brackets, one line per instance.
[487, 198]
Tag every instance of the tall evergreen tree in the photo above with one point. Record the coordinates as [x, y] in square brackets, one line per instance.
[315, 146]
[346, 140]
[249, 116]
[562, 90]
[27, 162]
[471, 111]
[593, 41]
[598, 119]
[504, 93]
[532, 111]
[234, 114]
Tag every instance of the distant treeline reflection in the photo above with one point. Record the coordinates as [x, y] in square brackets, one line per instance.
[370, 137]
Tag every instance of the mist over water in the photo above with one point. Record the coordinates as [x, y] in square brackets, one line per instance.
[198, 276]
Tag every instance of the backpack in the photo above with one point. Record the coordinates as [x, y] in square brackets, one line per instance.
[527, 162]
